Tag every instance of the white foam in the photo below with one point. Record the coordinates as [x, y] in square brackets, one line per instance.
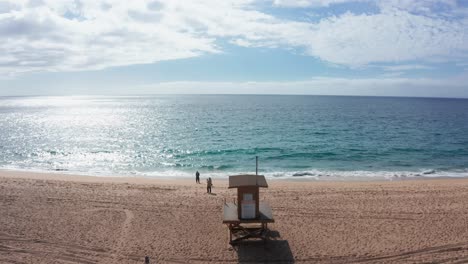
[319, 175]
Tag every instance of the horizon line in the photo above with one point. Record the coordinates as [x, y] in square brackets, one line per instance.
[226, 94]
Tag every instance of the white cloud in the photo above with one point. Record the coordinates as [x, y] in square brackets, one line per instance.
[407, 67]
[392, 74]
[426, 7]
[389, 86]
[396, 36]
[53, 35]
[403, 30]
[310, 3]
[63, 36]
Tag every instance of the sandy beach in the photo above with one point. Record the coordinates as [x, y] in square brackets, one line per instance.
[51, 218]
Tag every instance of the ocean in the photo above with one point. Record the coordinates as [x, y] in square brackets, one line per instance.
[300, 137]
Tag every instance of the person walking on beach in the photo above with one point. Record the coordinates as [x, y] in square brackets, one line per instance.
[197, 177]
[209, 183]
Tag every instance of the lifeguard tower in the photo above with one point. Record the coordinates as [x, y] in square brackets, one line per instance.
[248, 217]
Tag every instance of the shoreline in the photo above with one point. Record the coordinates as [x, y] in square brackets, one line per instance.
[60, 175]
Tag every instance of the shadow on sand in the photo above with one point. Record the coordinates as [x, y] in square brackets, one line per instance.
[269, 251]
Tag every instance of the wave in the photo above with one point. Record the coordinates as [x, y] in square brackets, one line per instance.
[319, 175]
[316, 155]
[369, 175]
[299, 174]
[220, 167]
[241, 151]
[408, 149]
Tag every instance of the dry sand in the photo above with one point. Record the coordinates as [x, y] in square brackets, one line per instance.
[48, 218]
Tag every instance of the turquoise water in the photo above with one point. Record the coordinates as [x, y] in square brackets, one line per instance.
[317, 137]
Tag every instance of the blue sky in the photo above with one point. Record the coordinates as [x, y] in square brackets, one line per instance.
[338, 47]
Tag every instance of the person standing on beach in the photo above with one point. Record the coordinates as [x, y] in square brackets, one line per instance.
[209, 183]
[197, 177]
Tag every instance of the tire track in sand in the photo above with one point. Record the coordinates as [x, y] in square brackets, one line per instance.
[126, 226]
[116, 251]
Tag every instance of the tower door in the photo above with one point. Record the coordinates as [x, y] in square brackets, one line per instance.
[248, 206]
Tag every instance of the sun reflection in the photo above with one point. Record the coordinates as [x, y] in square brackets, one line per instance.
[45, 101]
[74, 112]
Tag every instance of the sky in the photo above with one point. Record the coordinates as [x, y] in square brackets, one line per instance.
[323, 47]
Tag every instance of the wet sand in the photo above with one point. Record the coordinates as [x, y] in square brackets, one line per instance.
[51, 218]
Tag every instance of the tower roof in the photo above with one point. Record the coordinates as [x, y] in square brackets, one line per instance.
[237, 181]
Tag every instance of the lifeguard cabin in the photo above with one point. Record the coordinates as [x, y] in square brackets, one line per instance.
[247, 217]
